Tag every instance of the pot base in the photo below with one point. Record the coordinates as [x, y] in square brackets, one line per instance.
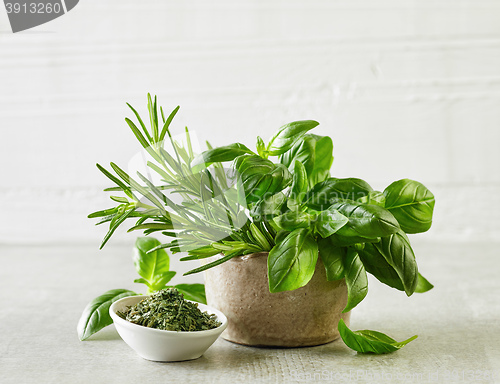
[280, 346]
[304, 317]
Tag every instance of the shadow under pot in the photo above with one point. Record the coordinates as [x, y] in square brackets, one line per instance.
[307, 316]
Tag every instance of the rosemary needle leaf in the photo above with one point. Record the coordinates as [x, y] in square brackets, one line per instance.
[115, 226]
[137, 133]
[167, 123]
[141, 122]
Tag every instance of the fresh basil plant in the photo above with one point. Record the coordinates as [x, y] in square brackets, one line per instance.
[284, 202]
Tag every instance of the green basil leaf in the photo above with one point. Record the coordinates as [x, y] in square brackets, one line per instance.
[281, 235]
[315, 153]
[261, 177]
[329, 221]
[324, 194]
[194, 292]
[365, 221]
[161, 280]
[323, 160]
[153, 266]
[291, 263]
[299, 182]
[345, 241]
[376, 264]
[332, 258]
[367, 341]
[374, 198]
[96, 316]
[423, 285]
[292, 220]
[143, 281]
[293, 205]
[411, 203]
[355, 278]
[268, 207]
[288, 135]
[304, 151]
[261, 147]
[398, 253]
[219, 155]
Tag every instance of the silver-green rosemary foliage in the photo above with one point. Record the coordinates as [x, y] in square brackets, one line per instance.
[211, 218]
[167, 310]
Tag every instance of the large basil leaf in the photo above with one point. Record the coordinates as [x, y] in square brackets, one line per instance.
[218, 155]
[261, 177]
[355, 278]
[288, 135]
[324, 194]
[423, 285]
[397, 251]
[96, 316]
[345, 241]
[268, 207]
[365, 221]
[329, 221]
[323, 161]
[304, 151]
[299, 182]
[293, 219]
[281, 235]
[291, 263]
[153, 267]
[374, 198]
[367, 341]
[315, 152]
[411, 203]
[376, 264]
[332, 258]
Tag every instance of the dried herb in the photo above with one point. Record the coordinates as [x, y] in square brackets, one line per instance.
[168, 310]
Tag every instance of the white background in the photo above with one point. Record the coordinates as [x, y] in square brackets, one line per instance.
[405, 89]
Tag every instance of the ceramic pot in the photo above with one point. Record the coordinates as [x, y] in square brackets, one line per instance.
[307, 316]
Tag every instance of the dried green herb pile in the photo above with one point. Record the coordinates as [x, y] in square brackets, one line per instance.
[167, 310]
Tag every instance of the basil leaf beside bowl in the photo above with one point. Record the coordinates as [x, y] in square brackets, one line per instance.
[96, 316]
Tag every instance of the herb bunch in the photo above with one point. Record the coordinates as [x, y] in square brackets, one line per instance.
[289, 206]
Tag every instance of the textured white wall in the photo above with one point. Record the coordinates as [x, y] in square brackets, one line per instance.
[405, 88]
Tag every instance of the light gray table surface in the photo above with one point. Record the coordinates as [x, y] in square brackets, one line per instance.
[44, 290]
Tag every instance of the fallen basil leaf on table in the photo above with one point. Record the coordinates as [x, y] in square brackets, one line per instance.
[96, 316]
[367, 341]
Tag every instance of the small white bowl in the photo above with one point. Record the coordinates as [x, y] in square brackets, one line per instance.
[159, 345]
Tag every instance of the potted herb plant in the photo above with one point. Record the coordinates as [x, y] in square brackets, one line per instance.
[286, 246]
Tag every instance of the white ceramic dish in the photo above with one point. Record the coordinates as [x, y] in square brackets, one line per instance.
[159, 345]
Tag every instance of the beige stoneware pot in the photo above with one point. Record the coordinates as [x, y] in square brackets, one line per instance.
[304, 317]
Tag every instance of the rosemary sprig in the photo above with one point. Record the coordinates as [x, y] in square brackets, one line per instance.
[208, 221]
